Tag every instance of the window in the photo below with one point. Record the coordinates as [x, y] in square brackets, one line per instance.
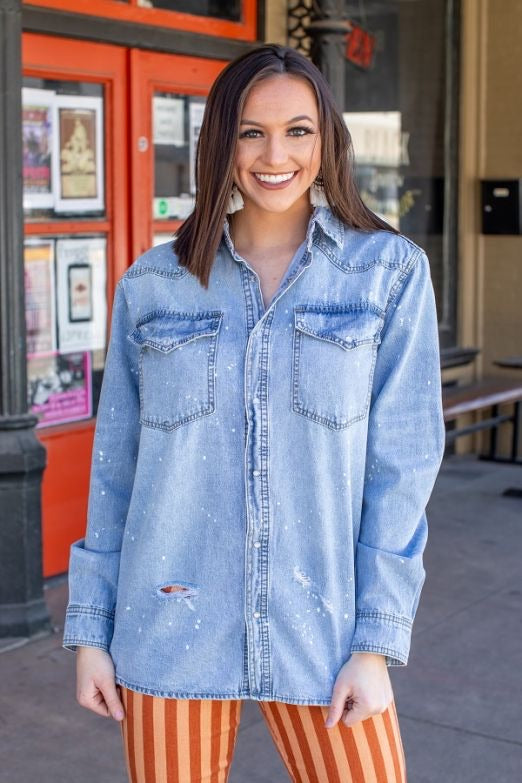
[401, 109]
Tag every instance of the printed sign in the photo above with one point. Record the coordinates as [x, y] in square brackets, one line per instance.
[360, 46]
[78, 156]
[60, 388]
[168, 120]
[196, 111]
[39, 296]
[37, 136]
[81, 295]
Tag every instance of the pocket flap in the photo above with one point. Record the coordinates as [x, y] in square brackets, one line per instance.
[348, 328]
[169, 330]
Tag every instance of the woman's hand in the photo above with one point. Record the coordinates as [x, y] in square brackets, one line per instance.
[95, 683]
[362, 689]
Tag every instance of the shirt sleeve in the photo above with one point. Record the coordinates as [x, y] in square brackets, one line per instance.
[94, 560]
[405, 447]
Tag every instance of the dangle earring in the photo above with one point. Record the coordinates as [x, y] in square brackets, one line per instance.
[235, 202]
[317, 194]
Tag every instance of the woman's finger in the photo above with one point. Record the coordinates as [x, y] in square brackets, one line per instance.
[352, 716]
[340, 695]
[92, 699]
[112, 700]
[363, 711]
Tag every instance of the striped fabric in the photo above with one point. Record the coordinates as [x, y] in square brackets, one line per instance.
[192, 741]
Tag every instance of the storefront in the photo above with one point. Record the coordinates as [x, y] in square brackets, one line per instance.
[112, 100]
[109, 136]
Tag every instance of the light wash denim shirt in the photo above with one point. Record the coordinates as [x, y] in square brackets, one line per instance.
[271, 465]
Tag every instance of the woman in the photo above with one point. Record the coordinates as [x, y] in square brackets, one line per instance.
[268, 435]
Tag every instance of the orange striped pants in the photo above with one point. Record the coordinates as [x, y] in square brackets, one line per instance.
[193, 740]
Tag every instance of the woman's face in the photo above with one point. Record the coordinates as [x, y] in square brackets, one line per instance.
[278, 135]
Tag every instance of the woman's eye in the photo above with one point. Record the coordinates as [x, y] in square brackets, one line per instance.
[301, 131]
[301, 128]
[246, 134]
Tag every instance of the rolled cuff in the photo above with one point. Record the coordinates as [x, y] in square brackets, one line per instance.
[87, 626]
[383, 633]
[89, 616]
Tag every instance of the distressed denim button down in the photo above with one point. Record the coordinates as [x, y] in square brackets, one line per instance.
[260, 475]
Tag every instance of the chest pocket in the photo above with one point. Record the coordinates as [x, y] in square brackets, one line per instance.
[177, 366]
[334, 353]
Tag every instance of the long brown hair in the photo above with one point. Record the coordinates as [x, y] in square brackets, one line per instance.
[198, 238]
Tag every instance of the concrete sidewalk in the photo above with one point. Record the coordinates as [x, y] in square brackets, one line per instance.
[459, 699]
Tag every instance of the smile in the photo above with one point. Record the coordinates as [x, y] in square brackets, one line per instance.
[275, 179]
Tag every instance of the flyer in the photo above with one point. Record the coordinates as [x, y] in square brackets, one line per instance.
[40, 315]
[37, 136]
[196, 111]
[81, 293]
[60, 388]
[167, 113]
[169, 207]
[78, 168]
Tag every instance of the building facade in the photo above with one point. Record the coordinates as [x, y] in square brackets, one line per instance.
[101, 106]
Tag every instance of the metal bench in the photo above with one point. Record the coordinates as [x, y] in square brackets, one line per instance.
[488, 393]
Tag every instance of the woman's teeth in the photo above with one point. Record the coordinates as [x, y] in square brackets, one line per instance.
[275, 178]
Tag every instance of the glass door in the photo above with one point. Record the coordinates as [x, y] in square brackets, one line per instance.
[168, 101]
[74, 129]
[89, 110]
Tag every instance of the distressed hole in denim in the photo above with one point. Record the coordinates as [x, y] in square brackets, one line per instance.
[181, 592]
[173, 589]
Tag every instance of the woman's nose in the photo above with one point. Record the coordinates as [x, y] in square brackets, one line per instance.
[276, 152]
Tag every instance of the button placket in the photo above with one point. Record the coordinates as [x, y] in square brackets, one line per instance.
[254, 577]
[256, 586]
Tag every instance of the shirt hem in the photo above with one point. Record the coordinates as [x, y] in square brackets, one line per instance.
[239, 694]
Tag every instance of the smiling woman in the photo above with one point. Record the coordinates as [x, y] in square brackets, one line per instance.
[270, 113]
[272, 409]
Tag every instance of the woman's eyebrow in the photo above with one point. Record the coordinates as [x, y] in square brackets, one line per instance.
[294, 119]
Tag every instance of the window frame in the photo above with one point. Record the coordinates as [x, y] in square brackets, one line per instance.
[245, 30]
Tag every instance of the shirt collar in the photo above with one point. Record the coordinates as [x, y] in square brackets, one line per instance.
[330, 224]
[321, 216]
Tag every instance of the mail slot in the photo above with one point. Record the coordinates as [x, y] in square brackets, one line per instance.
[501, 206]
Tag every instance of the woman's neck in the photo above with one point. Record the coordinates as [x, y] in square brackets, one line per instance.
[256, 231]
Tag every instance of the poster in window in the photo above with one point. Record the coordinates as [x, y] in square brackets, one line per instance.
[60, 387]
[196, 111]
[81, 293]
[37, 136]
[79, 285]
[78, 154]
[40, 308]
[168, 120]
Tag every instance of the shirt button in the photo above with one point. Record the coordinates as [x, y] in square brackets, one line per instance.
[257, 614]
[256, 472]
[256, 399]
[257, 544]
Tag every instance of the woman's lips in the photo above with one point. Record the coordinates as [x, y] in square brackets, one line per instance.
[275, 185]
